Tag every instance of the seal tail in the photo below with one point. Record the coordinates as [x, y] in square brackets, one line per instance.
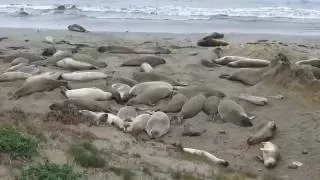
[224, 76]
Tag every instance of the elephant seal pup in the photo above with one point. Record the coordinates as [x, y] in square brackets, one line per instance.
[15, 67]
[152, 60]
[158, 124]
[150, 96]
[13, 76]
[123, 90]
[127, 113]
[256, 100]
[47, 75]
[225, 60]
[19, 60]
[83, 76]
[96, 118]
[90, 93]
[191, 91]
[191, 108]
[30, 56]
[152, 76]
[83, 104]
[116, 121]
[146, 67]
[175, 104]
[247, 76]
[76, 28]
[69, 63]
[232, 112]
[270, 154]
[312, 62]
[38, 85]
[250, 63]
[188, 130]
[138, 124]
[143, 87]
[265, 133]
[118, 79]
[210, 107]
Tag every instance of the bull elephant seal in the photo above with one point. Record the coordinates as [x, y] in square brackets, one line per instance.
[247, 76]
[38, 85]
[151, 96]
[175, 104]
[152, 60]
[210, 107]
[146, 67]
[191, 108]
[152, 76]
[83, 76]
[127, 112]
[19, 60]
[76, 28]
[70, 63]
[83, 104]
[158, 124]
[249, 63]
[265, 133]
[90, 93]
[118, 79]
[232, 112]
[138, 124]
[142, 87]
[13, 76]
[191, 91]
[96, 118]
[270, 154]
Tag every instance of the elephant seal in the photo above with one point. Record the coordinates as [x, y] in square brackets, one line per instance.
[256, 100]
[96, 118]
[191, 108]
[38, 85]
[188, 130]
[142, 87]
[249, 63]
[30, 69]
[138, 124]
[30, 56]
[123, 90]
[175, 104]
[83, 76]
[214, 35]
[152, 76]
[270, 154]
[119, 79]
[86, 58]
[152, 60]
[48, 51]
[116, 121]
[15, 67]
[151, 96]
[210, 42]
[230, 111]
[13, 76]
[312, 62]
[191, 91]
[265, 133]
[59, 55]
[47, 75]
[158, 124]
[76, 28]
[247, 76]
[127, 113]
[90, 93]
[83, 104]
[70, 63]
[146, 67]
[19, 60]
[210, 107]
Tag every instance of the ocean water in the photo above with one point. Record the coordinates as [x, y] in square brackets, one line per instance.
[175, 16]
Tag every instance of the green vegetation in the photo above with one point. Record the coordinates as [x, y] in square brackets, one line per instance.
[127, 174]
[50, 171]
[87, 155]
[16, 143]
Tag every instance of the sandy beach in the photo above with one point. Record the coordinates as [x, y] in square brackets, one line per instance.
[296, 115]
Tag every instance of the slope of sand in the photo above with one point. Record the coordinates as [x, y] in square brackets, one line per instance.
[296, 116]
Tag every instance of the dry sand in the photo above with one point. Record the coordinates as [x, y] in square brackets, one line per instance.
[296, 115]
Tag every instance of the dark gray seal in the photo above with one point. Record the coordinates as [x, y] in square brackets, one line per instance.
[175, 104]
[210, 107]
[214, 35]
[152, 60]
[265, 133]
[211, 43]
[191, 91]
[49, 51]
[76, 28]
[152, 76]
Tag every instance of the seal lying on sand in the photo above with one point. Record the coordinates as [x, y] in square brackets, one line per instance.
[232, 112]
[250, 63]
[138, 124]
[158, 124]
[77, 28]
[152, 76]
[191, 91]
[150, 96]
[47, 75]
[312, 62]
[225, 60]
[83, 76]
[19, 60]
[116, 121]
[270, 154]
[13, 76]
[248, 76]
[175, 104]
[143, 87]
[38, 85]
[83, 104]
[90, 93]
[123, 90]
[256, 100]
[59, 55]
[30, 56]
[210, 107]
[15, 67]
[70, 63]
[118, 79]
[127, 113]
[265, 133]
[188, 130]
[210, 42]
[96, 118]
[152, 60]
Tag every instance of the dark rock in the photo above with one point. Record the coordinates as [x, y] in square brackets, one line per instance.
[49, 51]
[214, 35]
[211, 43]
[76, 28]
